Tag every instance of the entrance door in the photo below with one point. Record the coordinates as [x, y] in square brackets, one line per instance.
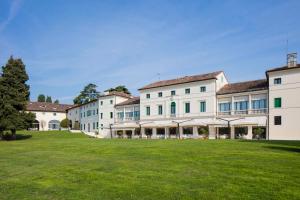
[89, 127]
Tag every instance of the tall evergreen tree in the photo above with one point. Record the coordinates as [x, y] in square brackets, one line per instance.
[49, 99]
[41, 98]
[88, 93]
[56, 101]
[14, 95]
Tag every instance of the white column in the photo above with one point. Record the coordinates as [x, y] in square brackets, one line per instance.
[232, 105]
[154, 133]
[143, 132]
[231, 132]
[180, 132]
[249, 136]
[249, 104]
[124, 135]
[195, 132]
[212, 132]
[166, 132]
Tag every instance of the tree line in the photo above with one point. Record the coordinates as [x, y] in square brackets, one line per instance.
[14, 96]
[90, 92]
[48, 99]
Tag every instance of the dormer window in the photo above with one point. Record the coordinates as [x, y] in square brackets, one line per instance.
[173, 93]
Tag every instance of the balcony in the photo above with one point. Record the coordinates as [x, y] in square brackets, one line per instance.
[126, 119]
[243, 112]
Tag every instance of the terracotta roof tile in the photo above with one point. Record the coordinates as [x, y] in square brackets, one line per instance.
[47, 107]
[186, 79]
[247, 86]
[283, 68]
[132, 101]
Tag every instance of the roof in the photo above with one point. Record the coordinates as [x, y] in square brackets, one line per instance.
[186, 79]
[247, 86]
[132, 101]
[283, 68]
[47, 107]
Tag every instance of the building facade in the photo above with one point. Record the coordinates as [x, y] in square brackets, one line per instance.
[48, 115]
[201, 106]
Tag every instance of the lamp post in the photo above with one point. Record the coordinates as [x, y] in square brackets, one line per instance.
[178, 123]
[229, 121]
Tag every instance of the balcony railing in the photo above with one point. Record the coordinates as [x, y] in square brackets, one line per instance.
[136, 118]
[243, 112]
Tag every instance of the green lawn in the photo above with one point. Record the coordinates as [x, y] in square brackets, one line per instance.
[60, 165]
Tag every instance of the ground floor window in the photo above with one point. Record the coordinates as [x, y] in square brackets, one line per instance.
[54, 125]
[173, 131]
[160, 131]
[203, 131]
[224, 131]
[120, 133]
[128, 133]
[259, 133]
[187, 130]
[137, 131]
[240, 132]
[148, 132]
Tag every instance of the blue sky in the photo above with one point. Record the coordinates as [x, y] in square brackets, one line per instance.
[66, 44]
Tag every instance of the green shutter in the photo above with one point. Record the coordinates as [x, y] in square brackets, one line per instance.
[277, 103]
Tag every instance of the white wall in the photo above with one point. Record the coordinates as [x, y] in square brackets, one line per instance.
[73, 114]
[45, 117]
[194, 98]
[289, 91]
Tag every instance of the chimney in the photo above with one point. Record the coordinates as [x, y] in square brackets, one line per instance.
[292, 60]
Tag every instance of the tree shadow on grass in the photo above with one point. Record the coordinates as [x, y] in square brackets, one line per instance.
[283, 148]
[18, 137]
[291, 143]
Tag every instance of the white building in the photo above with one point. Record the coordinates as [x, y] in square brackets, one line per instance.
[284, 98]
[48, 115]
[201, 106]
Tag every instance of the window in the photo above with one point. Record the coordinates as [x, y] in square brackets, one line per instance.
[203, 89]
[94, 112]
[241, 105]
[148, 96]
[187, 107]
[111, 101]
[83, 126]
[97, 112]
[173, 92]
[187, 91]
[101, 115]
[101, 126]
[277, 120]
[202, 106]
[83, 114]
[111, 115]
[148, 110]
[101, 102]
[160, 94]
[277, 102]
[160, 110]
[93, 125]
[97, 125]
[277, 81]
[88, 113]
[224, 107]
[173, 108]
[259, 104]
[54, 114]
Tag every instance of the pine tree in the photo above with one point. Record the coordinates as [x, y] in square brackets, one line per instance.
[14, 95]
[41, 98]
[88, 93]
[120, 88]
[56, 101]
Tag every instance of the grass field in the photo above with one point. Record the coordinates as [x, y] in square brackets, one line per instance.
[60, 165]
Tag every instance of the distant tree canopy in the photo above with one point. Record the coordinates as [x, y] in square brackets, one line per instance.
[120, 88]
[41, 98]
[88, 93]
[49, 99]
[14, 95]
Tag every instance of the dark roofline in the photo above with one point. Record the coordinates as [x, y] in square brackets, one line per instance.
[282, 68]
[244, 90]
[146, 88]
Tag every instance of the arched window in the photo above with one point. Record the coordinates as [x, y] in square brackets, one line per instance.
[173, 108]
[54, 124]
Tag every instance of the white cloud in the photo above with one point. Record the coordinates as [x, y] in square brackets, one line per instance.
[13, 11]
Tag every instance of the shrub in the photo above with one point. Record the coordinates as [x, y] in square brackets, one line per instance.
[64, 123]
